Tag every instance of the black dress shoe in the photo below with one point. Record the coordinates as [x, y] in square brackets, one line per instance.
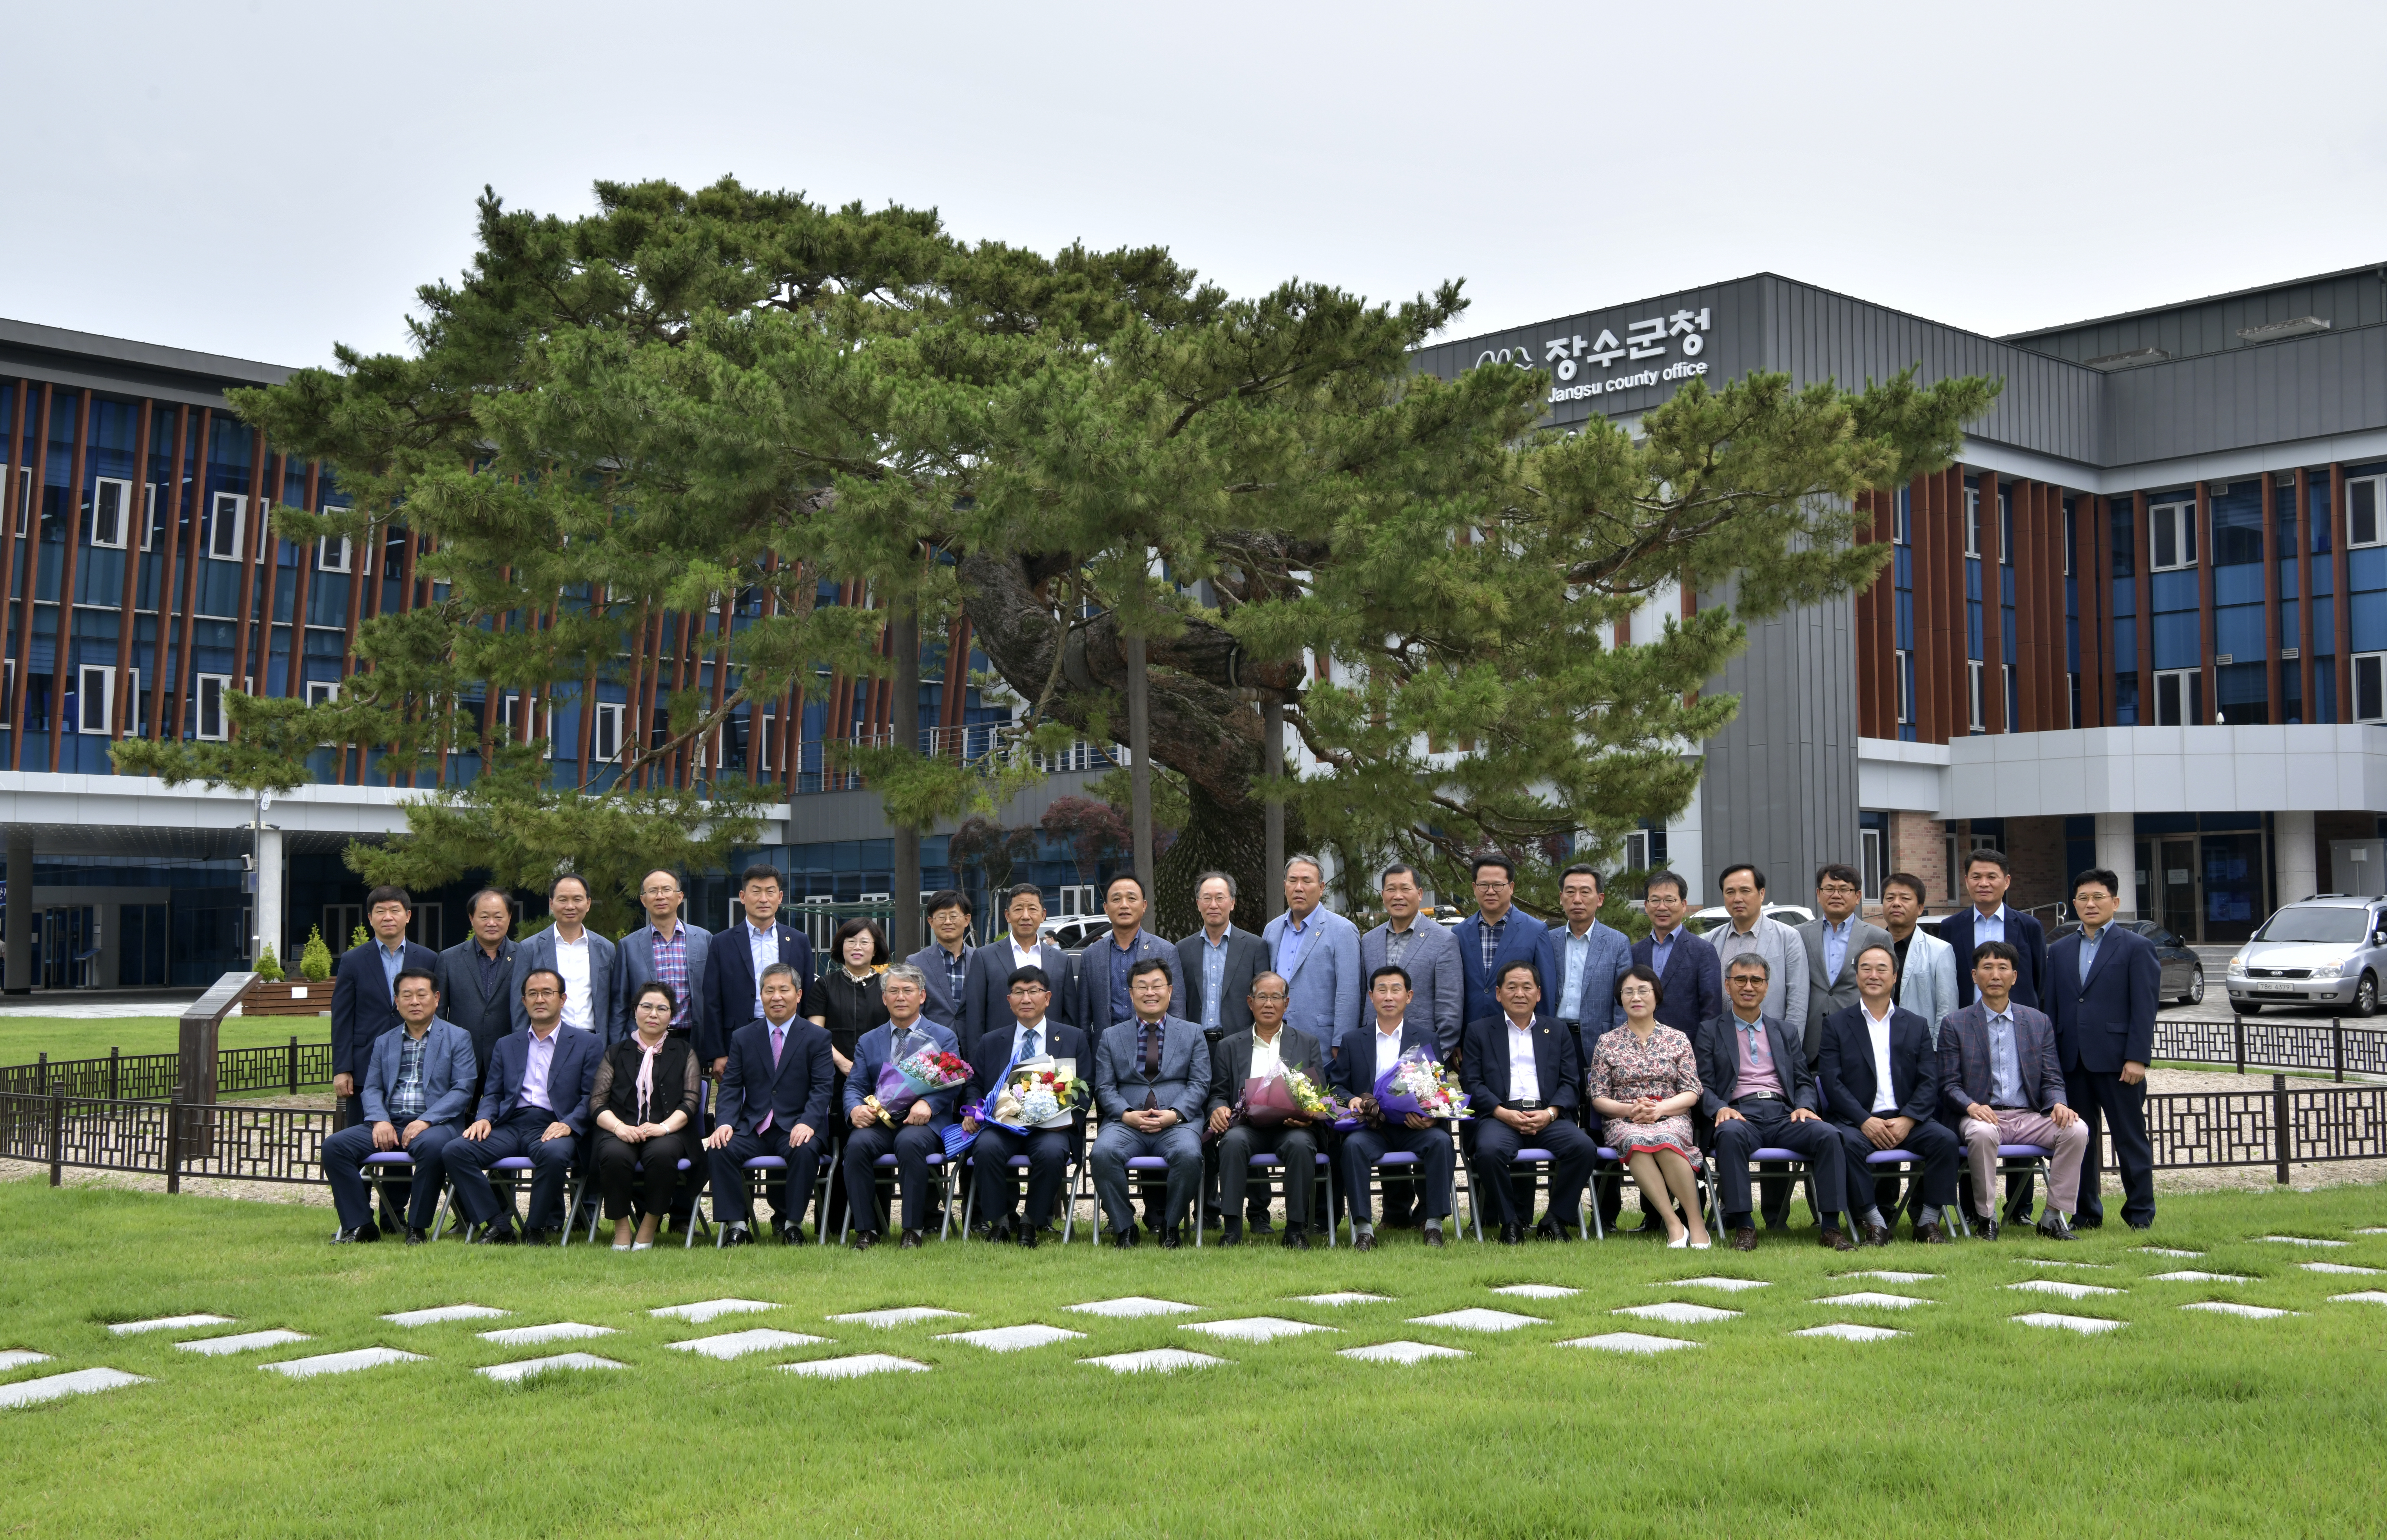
[737, 1235]
[864, 1239]
[535, 1237]
[1027, 1235]
[1364, 1240]
[1743, 1239]
[1127, 1239]
[416, 1235]
[1260, 1224]
[1876, 1235]
[1433, 1237]
[2135, 1224]
[1234, 1233]
[349, 1235]
[1930, 1235]
[1835, 1240]
[1513, 1235]
[788, 1235]
[2088, 1221]
[911, 1241]
[1550, 1229]
[1988, 1229]
[497, 1235]
[1296, 1238]
[1171, 1240]
[2052, 1226]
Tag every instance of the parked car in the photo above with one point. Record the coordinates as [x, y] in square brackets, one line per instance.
[2329, 950]
[2183, 971]
[1715, 916]
[1071, 932]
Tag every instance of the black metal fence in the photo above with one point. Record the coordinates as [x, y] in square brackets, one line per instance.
[2336, 1049]
[2278, 1127]
[171, 1138]
[287, 1069]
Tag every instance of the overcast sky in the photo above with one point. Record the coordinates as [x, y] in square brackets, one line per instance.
[262, 179]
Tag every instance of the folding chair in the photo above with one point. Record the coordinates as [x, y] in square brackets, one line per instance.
[1015, 1170]
[1542, 1161]
[1148, 1167]
[509, 1173]
[1272, 1170]
[1606, 1162]
[883, 1169]
[695, 1214]
[1800, 1168]
[386, 1165]
[2013, 1160]
[757, 1174]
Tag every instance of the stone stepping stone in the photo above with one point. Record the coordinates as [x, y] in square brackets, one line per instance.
[2342, 1267]
[854, 1366]
[1478, 1319]
[2057, 1286]
[523, 1368]
[247, 1342]
[1890, 1276]
[2233, 1307]
[341, 1363]
[1153, 1361]
[2368, 1297]
[167, 1323]
[1401, 1352]
[1679, 1311]
[731, 1344]
[1847, 1331]
[1014, 1339]
[1348, 1296]
[1628, 1341]
[81, 1381]
[1254, 1328]
[1131, 1305]
[2370, 1229]
[2168, 1251]
[1873, 1301]
[19, 1358]
[1733, 1285]
[445, 1313]
[554, 1331]
[2302, 1241]
[2189, 1275]
[2085, 1325]
[709, 1310]
[886, 1320]
[1537, 1290]
[2051, 1262]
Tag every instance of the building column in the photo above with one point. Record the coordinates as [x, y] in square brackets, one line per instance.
[20, 911]
[2295, 856]
[2117, 851]
[268, 894]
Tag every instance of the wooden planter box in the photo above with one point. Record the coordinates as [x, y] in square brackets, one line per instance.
[298, 997]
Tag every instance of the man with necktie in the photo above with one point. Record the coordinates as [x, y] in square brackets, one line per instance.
[920, 1129]
[775, 1100]
[1033, 1035]
[1755, 1086]
[1152, 1076]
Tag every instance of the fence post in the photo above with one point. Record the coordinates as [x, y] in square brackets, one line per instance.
[294, 1066]
[174, 1147]
[2238, 1036]
[2337, 1048]
[115, 1085]
[57, 1131]
[2280, 1123]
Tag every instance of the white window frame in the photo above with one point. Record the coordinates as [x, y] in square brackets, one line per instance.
[2010, 695]
[200, 706]
[2005, 526]
[1870, 843]
[1901, 683]
[100, 488]
[2377, 488]
[323, 547]
[2179, 520]
[236, 505]
[2188, 697]
[8, 694]
[613, 717]
[2071, 528]
[762, 746]
[1974, 671]
[545, 729]
[87, 675]
[2374, 665]
[25, 491]
[1902, 519]
[323, 692]
[1972, 521]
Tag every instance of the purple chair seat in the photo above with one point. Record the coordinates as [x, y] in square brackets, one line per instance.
[887, 1162]
[1892, 1157]
[389, 1157]
[1146, 1163]
[1775, 1152]
[766, 1163]
[640, 1166]
[1269, 1162]
[2024, 1152]
[1390, 1157]
[1018, 1162]
[1532, 1154]
[512, 1163]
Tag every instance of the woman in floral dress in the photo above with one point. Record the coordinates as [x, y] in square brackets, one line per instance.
[1644, 1082]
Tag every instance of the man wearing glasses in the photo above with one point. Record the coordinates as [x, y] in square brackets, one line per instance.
[1833, 942]
[1261, 1049]
[1496, 936]
[1031, 1037]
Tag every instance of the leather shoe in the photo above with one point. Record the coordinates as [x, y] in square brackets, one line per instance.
[1128, 1238]
[1988, 1229]
[350, 1235]
[2018, 1212]
[1171, 1240]
[1930, 1235]
[911, 1241]
[1233, 1235]
[1876, 1235]
[737, 1235]
[1260, 1225]
[1434, 1238]
[1513, 1235]
[1028, 1234]
[1364, 1240]
[2052, 1226]
[2136, 1225]
[1295, 1238]
[789, 1235]
[533, 1237]
[416, 1235]
[1835, 1240]
[1744, 1239]
[496, 1235]
[864, 1239]
[1550, 1229]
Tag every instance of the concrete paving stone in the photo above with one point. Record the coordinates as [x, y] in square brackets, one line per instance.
[445, 1313]
[1347, 1296]
[854, 1366]
[2342, 1267]
[733, 1345]
[1628, 1341]
[1890, 1276]
[1847, 1331]
[2189, 1275]
[886, 1320]
[554, 1331]
[1538, 1290]
[20, 1357]
[1130, 1306]
[2168, 1251]
[2233, 1307]
[1401, 1352]
[2085, 1325]
[245, 1342]
[1875, 1301]
[709, 1310]
[1153, 1361]
[79, 1382]
[1254, 1328]
[2366, 1296]
[2057, 1286]
[2302, 1241]
[1733, 1285]
[167, 1323]
[523, 1368]
[1478, 1320]
[1014, 1339]
[1681, 1312]
[341, 1363]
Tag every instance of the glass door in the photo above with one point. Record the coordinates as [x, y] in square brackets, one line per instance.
[2175, 878]
[2233, 899]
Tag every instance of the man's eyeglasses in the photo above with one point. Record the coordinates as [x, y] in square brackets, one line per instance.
[1258, 996]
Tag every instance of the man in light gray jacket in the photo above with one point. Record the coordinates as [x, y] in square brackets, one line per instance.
[1927, 965]
[1420, 946]
[1742, 887]
[1833, 942]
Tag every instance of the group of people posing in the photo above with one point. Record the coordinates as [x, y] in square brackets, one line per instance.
[1862, 1050]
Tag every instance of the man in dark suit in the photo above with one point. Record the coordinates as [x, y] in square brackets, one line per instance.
[477, 978]
[1754, 1085]
[1361, 1060]
[1152, 1078]
[1691, 977]
[919, 1130]
[665, 950]
[1032, 1035]
[1107, 962]
[1988, 875]
[362, 1005]
[2001, 1078]
[1267, 1044]
[774, 1102]
[1524, 1082]
[735, 960]
[986, 987]
[1496, 936]
[1218, 962]
[1880, 1080]
[944, 962]
[535, 1103]
[419, 1084]
[2104, 982]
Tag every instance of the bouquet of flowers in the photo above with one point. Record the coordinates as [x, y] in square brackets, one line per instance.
[915, 1067]
[1418, 1084]
[1281, 1094]
[1037, 1096]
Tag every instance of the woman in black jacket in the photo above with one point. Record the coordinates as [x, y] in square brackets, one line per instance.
[645, 1101]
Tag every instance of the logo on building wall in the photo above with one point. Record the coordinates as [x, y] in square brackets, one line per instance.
[1684, 331]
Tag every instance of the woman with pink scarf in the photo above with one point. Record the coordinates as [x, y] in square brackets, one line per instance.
[645, 1100]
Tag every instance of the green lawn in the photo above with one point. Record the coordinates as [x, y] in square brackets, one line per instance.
[2181, 1423]
[24, 1039]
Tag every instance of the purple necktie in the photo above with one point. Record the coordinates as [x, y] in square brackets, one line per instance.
[779, 1041]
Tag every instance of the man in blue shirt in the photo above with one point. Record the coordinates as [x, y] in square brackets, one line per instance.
[1103, 968]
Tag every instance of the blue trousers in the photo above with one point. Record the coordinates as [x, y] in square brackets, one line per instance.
[343, 1159]
[469, 1161]
[1180, 1145]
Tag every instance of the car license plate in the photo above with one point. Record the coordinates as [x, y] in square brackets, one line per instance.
[2277, 989]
